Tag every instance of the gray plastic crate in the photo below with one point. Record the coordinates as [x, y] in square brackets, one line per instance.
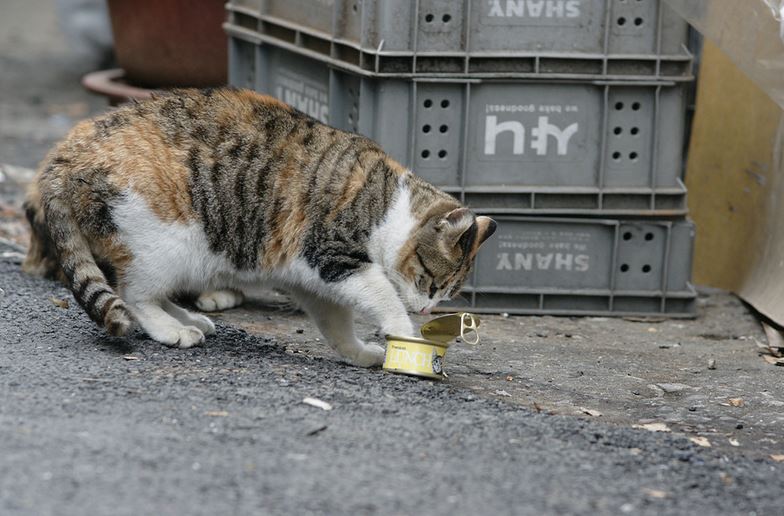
[542, 38]
[501, 146]
[584, 266]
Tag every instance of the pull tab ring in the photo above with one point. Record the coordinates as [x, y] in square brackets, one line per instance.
[468, 326]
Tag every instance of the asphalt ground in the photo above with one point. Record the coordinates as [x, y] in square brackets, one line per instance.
[95, 425]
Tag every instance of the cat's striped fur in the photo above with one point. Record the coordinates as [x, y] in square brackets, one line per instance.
[199, 190]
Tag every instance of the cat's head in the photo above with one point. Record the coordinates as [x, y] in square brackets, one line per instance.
[439, 258]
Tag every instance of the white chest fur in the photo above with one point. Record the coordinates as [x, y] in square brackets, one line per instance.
[393, 232]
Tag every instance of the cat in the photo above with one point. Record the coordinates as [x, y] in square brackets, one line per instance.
[221, 190]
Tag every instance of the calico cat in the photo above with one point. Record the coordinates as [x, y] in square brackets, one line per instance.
[194, 191]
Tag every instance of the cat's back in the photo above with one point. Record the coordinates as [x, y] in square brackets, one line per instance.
[152, 146]
[177, 121]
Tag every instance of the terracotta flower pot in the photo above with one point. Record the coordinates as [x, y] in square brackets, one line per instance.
[166, 43]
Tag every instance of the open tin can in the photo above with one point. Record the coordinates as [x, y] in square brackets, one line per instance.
[425, 356]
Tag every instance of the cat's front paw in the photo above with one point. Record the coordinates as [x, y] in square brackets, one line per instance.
[190, 336]
[371, 355]
[219, 300]
[180, 337]
[402, 328]
[203, 323]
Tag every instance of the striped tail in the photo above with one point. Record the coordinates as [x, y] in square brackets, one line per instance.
[85, 279]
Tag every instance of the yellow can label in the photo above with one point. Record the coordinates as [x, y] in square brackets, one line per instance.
[415, 358]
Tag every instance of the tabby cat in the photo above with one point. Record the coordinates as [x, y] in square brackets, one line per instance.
[194, 191]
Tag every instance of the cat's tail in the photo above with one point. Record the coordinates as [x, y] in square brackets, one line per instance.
[41, 259]
[85, 279]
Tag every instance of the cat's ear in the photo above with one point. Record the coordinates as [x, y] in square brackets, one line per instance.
[460, 228]
[486, 227]
[454, 224]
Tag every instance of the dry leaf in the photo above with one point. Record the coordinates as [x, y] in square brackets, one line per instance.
[216, 413]
[655, 493]
[314, 402]
[700, 441]
[736, 402]
[509, 378]
[537, 407]
[734, 442]
[773, 360]
[654, 427]
[503, 393]
[130, 357]
[590, 412]
[60, 303]
[777, 458]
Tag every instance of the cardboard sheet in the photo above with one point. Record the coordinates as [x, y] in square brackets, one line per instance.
[736, 191]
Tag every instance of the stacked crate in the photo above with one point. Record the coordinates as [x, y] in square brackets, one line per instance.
[563, 119]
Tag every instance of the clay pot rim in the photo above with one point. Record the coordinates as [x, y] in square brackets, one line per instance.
[110, 83]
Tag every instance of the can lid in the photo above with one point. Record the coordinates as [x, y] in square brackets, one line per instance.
[447, 327]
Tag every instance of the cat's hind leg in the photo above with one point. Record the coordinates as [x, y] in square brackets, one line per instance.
[164, 328]
[187, 318]
[336, 323]
[215, 300]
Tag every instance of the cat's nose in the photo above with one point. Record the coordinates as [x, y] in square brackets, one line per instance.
[425, 311]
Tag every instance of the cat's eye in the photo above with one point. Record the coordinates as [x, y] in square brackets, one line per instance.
[433, 289]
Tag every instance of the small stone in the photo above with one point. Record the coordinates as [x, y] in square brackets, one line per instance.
[300, 330]
[653, 427]
[671, 388]
[60, 303]
[712, 363]
[316, 430]
[739, 426]
[315, 402]
[700, 441]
